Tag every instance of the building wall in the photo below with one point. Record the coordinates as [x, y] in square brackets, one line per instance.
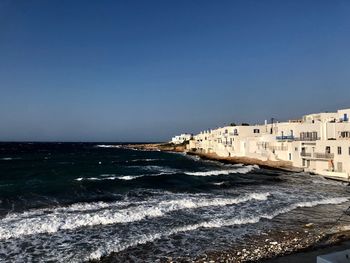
[301, 142]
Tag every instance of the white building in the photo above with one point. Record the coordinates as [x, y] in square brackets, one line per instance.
[319, 143]
[181, 138]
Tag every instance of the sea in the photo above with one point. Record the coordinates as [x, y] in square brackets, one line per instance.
[75, 202]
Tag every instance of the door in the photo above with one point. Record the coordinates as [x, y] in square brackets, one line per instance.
[339, 167]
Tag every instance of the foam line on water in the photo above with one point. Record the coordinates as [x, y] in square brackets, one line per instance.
[145, 160]
[124, 177]
[218, 183]
[241, 170]
[132, 177]
[17, 225]
[108, 146]
[9, 158]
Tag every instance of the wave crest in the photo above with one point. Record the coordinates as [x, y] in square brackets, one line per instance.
[50, 221]
[216, 223]
[241, 170]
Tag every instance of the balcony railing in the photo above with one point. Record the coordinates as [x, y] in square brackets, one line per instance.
[308, 139]
[293, 138]
[304, 154]
[318, 155]
[324, 155]
[281, 138]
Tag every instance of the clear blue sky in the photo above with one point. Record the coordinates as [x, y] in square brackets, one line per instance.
[146, 70]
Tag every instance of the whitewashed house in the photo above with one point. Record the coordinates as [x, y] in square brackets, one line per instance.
[318, 143]
[181, 138]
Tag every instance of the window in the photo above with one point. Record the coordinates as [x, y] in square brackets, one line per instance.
[328, 149]
[296, 149]
[256, 131]
[308, 136]
[349, 150]
[345, 134]
[339, 150]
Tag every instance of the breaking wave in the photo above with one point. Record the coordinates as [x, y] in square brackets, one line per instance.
[53, 220]
[241, 170]
[215, 223]
[132, 177]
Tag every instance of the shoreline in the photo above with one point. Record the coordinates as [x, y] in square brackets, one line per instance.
[168, 147]
[271, 246]
[280, 243]
[275, 245]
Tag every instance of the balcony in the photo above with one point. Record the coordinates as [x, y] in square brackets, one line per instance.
[285, 138]
[304, 154]
[308, 139]
[325, 156]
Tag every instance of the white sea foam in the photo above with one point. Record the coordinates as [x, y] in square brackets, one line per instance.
[51, 221]
[107, 175]
[108, 146]
[123, 177]
[89, 179]
[241, 170]
[219, 183]
[145, 160]
[130, 177]
[9, 158]
[215, 223]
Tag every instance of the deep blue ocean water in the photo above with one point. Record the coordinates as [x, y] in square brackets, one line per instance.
[70, 202]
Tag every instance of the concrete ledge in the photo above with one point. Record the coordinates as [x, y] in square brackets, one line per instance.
[336, 257]
[334, 175]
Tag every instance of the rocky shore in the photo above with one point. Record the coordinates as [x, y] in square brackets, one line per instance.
[169, 147]
[166, 147]
[276, 244]
[266, 245]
